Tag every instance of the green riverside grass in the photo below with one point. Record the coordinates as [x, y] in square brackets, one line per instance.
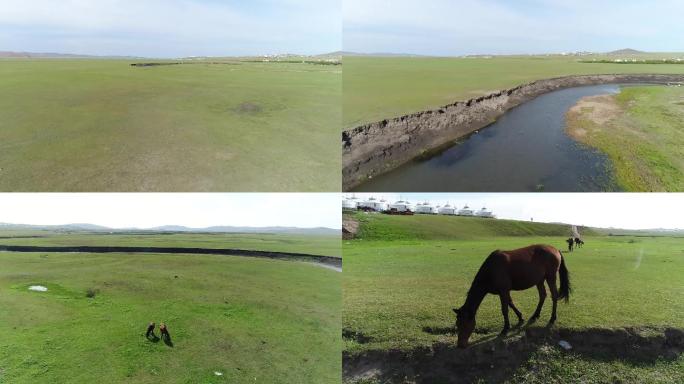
[403, 275]
[645, 142]
[102, 125]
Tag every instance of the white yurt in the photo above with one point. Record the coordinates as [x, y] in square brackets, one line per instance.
[448, 210]
[373, 204]
[426, 208]
[466, 211]
[350, 203]
[402, 206]
[484, 212]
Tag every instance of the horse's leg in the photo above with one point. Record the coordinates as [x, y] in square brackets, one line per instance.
[542, 297]
[517, 312]
[505, 300]
[554, 297]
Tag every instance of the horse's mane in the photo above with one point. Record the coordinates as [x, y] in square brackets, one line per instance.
[478, 285]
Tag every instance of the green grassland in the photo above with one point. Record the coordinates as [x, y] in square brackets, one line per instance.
[400, 283]
[644, 141]
[377, 88]
[253, 320]
[102, 125]
[322, 245]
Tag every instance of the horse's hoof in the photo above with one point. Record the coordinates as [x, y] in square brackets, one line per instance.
[504, 332]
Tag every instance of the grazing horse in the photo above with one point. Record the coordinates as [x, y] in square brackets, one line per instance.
[150, 330]
[516, 270]
[570, 242]
[164, 331]
[578, 242]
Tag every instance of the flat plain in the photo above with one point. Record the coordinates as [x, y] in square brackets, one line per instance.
[225, 125]
[231, 319]
[378, 88]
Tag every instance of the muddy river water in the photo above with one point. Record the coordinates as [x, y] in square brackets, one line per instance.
[526, 149]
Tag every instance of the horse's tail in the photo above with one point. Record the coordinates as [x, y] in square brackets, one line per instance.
[565, 289]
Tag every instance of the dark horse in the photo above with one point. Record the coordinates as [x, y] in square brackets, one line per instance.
[578, 242]
[570, 242]
[516, 270]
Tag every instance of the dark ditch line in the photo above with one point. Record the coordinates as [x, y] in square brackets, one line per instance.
[289, 256]
[142, 65]
[496, 360]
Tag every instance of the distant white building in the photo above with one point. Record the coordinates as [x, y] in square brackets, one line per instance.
[402, 206]
[448, 210]
[484, 212]
[426, 208]
[466, 211]
[350, 203]
[373, 204]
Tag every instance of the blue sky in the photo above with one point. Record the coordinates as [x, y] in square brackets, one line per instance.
[618, 210]
[146, 210]
[458, 27]
[171, 28]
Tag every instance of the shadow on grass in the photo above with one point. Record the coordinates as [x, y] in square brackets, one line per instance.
[153, 338]
[495, 359]
[167, 340]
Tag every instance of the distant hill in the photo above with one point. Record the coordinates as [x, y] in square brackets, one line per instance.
[172, 228]
[626, 51]
[52, 55]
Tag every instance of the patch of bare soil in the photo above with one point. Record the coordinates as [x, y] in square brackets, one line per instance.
[598, 110]
[496, 360]
[248, 108]
[350, 228]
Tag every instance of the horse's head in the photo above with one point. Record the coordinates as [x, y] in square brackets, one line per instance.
[465, 325]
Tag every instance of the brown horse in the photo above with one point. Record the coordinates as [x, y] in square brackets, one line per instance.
[516, 270]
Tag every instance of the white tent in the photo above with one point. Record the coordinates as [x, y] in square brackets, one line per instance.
[485, 213]
[466, 211]
[426, 208]
[402, 206]
[448, 210]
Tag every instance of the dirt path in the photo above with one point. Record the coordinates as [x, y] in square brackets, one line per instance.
[333, 262]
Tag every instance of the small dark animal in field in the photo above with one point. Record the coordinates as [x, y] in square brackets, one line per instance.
[571, 242]
[517, 270]
[578, 242]
[150, 330]
[164, 330]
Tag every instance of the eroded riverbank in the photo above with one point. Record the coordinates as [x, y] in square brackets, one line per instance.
[377, 148]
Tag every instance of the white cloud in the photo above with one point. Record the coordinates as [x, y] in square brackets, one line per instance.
[175, 27]
[496, 26]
